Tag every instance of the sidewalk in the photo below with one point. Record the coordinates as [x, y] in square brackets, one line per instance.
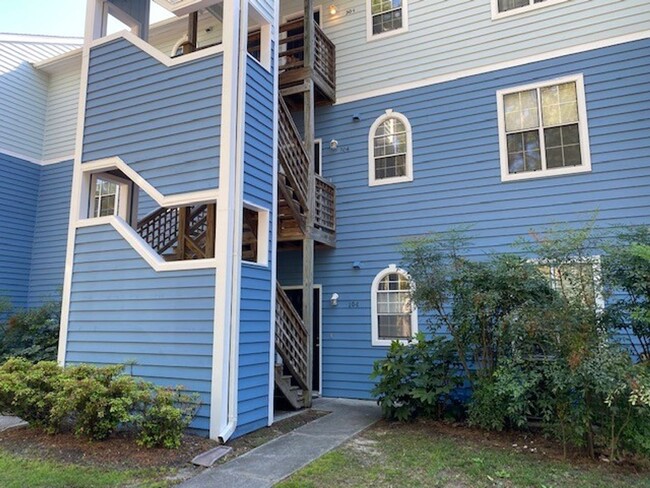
[272, 462]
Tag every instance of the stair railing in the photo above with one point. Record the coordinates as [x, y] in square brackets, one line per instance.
[291, 339]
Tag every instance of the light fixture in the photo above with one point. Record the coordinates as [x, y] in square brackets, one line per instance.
[334, 300]
[334, 144]
[332, 9]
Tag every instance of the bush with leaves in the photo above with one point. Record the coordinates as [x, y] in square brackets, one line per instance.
[32, 392]
[416, 378]
[166, 417]
[96, 401]
[32, 334]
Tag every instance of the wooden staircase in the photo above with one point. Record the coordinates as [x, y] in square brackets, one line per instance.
[181, 233]
[291, 343]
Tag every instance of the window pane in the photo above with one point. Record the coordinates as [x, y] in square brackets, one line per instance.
[559, 104]
[525, 155]
[394, 326]
[505, 5]
[521, 110]
[390, 148]
[562, 146]
[386, 15]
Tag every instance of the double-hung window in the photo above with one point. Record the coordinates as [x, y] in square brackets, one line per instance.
[579, 279]
[390, 150]
[543, 129]
[386, 17]
[503, 8]
[394, 317]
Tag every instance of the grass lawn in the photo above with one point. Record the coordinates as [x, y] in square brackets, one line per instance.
[429, 454]
[19, 472]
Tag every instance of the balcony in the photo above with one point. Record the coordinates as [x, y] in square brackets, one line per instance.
[293, 72]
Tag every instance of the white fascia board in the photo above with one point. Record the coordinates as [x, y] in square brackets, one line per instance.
[154, 52]
[70, 61]
[139, 245]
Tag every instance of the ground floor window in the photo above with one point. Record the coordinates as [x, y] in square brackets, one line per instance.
[394, 316]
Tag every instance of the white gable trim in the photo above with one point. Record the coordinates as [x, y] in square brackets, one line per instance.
[495, 67]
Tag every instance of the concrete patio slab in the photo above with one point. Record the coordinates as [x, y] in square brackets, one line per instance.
[272, 462]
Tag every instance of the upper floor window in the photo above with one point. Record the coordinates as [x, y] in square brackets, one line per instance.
[386, 17]
[390, 150]
[503, 8]
[394, 317]
[543, 129]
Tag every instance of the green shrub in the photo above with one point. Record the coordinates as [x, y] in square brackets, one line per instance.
[32, 391]
[97, 401]
[416, 378]
[102, 399]
[31, 334]
[165, 419]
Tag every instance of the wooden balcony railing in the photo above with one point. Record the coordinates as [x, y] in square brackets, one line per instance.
[291, 339]
[294, 160]
[188, 232]
[325, 211]
[292, 58]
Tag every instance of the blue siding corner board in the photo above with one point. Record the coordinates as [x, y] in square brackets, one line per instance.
[457, 182]
[256, 283]
[121, 310]
[165, 123]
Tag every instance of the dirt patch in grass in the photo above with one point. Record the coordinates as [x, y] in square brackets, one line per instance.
[533, 444]
[121, 451]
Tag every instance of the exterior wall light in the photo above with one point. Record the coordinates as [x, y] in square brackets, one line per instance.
[334, 144]
[334, 300]
[332, 9]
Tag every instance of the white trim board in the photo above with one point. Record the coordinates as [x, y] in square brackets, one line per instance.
[494, 67]
[162, 200]
[140, 246]
[154, 52]
[33, 160]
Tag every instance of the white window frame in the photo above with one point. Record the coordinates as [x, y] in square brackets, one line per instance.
[374, 37]
[496, 15]
[372, 180]
[376, 341]
[595, 261]
[122, 196]
[263, 226]
[583, 130]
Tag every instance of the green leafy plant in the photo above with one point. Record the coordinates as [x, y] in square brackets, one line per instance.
[32, 334]
[416, 378]
[31, 391]
[167, 416]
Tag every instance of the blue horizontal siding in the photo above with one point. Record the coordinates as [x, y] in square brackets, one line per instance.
[256, 284]
[457, 182]
[19, 182]
[50, 233]
[122, 310]
[163, 122]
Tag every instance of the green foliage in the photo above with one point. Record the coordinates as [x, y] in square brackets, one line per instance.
[416, 378]
[626, 269]
[476, 302]
[32, 334]
[102, 398]
[533, 338]
[97, 401]
[31, 391]
[162, 424]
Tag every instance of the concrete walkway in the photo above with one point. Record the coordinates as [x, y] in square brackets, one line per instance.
[272, 462]
[10, 422]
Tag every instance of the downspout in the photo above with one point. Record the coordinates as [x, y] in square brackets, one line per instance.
[233, 357]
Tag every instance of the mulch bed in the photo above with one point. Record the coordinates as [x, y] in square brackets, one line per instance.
[121, 451]
[532, 443]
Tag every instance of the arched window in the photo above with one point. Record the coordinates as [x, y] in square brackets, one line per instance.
[394, 317]
[390, 150]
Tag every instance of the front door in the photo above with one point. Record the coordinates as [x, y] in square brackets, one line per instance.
[295, 295]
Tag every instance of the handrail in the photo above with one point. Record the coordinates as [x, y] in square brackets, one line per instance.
[293, 157]
[291, 338]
